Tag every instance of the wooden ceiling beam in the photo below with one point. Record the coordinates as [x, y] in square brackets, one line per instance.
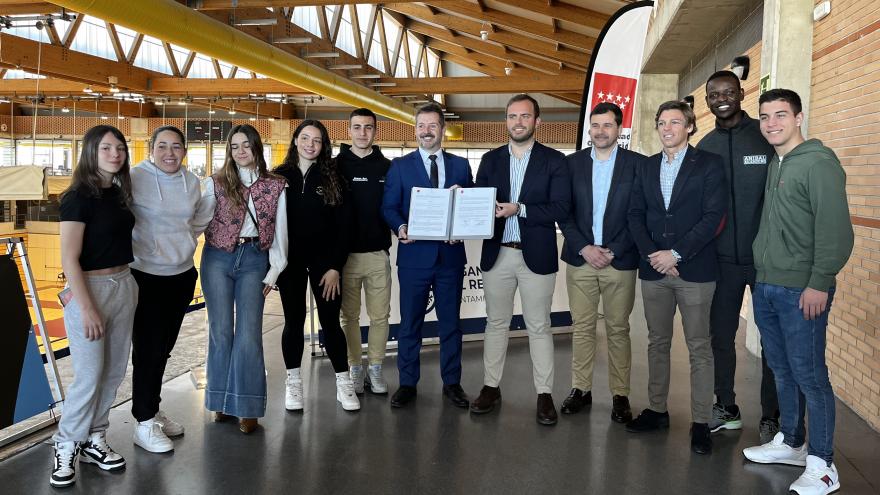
[537, 83]
[574, 58]
[561, 11]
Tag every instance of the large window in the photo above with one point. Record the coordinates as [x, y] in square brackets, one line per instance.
[56, 155]
[7, 153]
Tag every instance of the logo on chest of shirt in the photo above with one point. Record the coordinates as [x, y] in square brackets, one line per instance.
[360, 179]
[319, 191]
[755, 160]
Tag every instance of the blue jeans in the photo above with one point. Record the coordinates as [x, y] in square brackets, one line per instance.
[233, 284]
[795, 350]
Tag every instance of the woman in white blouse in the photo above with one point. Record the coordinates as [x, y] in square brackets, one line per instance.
[245, 251]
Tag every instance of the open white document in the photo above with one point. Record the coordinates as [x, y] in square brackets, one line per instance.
[451, 214]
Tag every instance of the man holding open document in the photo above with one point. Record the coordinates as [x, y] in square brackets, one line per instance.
[426, 265]
[534, 193]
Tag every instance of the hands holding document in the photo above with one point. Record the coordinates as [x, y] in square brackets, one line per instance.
[451, 214]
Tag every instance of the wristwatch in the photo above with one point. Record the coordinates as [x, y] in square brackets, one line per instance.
[675, 255]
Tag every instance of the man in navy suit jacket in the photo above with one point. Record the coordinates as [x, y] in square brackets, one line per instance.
[678, 203]
[602, 260]
[423, 266]
[533, 194]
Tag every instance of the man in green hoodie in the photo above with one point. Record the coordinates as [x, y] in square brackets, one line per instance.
[804, 240]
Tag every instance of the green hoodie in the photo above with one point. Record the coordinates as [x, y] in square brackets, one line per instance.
[805, 236]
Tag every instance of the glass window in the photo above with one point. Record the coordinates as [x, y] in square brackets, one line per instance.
[7, 153]
[52, 154]
[197, 158]
[307, 18]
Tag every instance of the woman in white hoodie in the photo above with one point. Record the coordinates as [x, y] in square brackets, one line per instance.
[170, 216]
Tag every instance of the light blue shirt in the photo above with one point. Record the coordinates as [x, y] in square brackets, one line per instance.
[517, 173]
[441, 169]
[668, 173]
[603, 170]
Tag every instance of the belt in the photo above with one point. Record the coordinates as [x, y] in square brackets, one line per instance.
[245, 240]
[514, 245]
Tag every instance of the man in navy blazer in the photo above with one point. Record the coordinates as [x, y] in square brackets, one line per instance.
[602, 260]
[425, 266]
[533, 194]
[678, 204]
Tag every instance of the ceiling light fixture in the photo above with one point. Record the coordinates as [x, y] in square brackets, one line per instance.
[87, 89]
[484, 31]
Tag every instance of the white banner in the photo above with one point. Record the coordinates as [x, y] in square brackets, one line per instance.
[615, 66]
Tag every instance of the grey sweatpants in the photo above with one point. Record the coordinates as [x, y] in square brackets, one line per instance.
[98, 365]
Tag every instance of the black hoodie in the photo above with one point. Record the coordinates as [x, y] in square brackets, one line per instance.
[746, 155]
[366, 178]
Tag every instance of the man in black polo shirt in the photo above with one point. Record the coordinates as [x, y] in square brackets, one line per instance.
[737, 139]
[368, 266]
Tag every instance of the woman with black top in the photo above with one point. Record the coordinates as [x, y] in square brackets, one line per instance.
[96, 225]
[318, 223]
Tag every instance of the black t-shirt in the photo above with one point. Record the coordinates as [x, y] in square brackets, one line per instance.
[107, 238]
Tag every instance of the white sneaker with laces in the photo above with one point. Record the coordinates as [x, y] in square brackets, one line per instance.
[357, 378]
[170, 427]
[64, 464]
[818, 479]
[96, 451]
[293, 394]
[375, 380]
[777, 452]
[345, 392]
[149, 436]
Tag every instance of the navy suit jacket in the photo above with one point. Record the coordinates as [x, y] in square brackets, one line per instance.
[405, 173]
[546, 193]
[696, 210]
[578, 227]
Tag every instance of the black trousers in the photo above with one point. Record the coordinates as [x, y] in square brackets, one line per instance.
[161, 306]
[724, 322]
[292, 285]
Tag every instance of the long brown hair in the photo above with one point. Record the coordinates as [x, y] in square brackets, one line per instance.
[227, 177]
[86, 176]
[332, 181]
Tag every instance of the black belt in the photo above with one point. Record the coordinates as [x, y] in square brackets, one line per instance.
[245, 240]
[514, 245]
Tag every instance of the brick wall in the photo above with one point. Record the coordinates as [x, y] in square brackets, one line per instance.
[845, 115]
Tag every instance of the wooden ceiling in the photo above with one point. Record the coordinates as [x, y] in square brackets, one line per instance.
[544, 44]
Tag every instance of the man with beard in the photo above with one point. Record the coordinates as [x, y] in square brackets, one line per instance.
[533, 194]
[425, 266]
[602, 260]
[737, 139]
[364, 167]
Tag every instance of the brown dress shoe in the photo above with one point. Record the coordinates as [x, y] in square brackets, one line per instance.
[220, 417]
[247, 425]
[546, 414]
[488, 399]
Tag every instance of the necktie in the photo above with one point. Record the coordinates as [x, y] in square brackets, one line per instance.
[435, 173]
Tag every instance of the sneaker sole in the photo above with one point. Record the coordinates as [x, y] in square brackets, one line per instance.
[785, 462]
[62, 484]
[294, 408]
[152, 450]
[358, 408]
[731, 425]
[106, 467]
[831, 489]
[369, 387]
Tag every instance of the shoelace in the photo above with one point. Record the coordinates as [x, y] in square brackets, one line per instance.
[64, 458]
[102, 447]
[573, 394]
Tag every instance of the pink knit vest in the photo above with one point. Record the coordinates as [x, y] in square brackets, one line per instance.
[223, 231]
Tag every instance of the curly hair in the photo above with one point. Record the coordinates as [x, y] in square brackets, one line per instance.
[332, 181]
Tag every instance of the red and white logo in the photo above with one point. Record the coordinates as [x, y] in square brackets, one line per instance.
[618, 90]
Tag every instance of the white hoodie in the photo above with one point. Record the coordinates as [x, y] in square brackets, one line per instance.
[170, 217]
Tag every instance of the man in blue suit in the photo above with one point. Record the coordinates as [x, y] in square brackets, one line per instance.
[423, 266]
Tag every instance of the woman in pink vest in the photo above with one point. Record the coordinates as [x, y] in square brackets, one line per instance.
[245, 251]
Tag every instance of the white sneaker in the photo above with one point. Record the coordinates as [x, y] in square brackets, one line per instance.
[293, 394]
[357, 378]
[149, 436]
[777, 452]
[96, 451]
[375, 380]
[818, 479]
[345, 392]
[170, 427]
[64, 464]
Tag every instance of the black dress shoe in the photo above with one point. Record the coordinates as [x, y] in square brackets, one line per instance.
[701, 443]
[620, 411]
[649, 420]
[488, 399]
[546, 414]
[456, 395]
[403, 396]
[576, 401]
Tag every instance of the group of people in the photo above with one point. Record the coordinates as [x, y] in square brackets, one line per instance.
[696, 225]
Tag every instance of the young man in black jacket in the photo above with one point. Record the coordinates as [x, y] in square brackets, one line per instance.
[364, 167]
[738, 140]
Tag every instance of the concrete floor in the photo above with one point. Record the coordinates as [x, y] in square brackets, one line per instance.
[434, 447]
